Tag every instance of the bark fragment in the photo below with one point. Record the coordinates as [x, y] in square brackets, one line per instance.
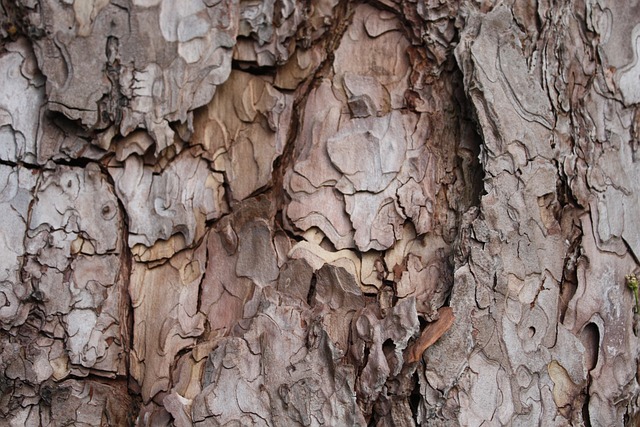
[294, 363]
[167, 210]
[355, 139]
[243, 130]
[187, 55]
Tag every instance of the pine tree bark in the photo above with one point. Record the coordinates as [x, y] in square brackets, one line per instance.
[278, 213]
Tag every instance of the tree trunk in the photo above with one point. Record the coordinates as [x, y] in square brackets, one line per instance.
[393, 213]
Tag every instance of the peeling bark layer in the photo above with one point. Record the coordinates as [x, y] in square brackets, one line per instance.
[277, 213]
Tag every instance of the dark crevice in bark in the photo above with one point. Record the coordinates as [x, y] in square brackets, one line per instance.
[126, 259]
[228, 197]
[585, 410]
[591, 340]
[255, 70]
[415, 397]
[109, 106]
[563, 189]
[473, 170]
[21, 164]
[74, 163]
[590, 337]
[206, 265]
[569, 281]
[312, 291]
[388, 347]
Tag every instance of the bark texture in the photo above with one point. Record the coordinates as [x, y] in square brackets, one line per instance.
[278, 213]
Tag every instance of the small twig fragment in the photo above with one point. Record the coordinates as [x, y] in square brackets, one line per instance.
[431, 334]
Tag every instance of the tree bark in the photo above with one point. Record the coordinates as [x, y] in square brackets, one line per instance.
[278, 213]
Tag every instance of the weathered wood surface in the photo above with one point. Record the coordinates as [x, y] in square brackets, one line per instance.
[389, 213]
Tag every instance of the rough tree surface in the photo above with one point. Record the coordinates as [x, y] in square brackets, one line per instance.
[288, 212]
